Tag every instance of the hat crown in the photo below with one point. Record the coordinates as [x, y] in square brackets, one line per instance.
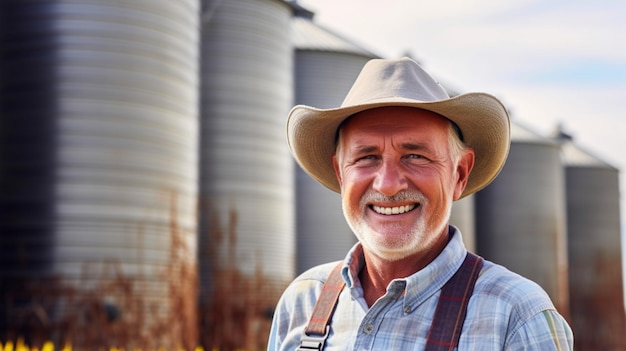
[403, 78]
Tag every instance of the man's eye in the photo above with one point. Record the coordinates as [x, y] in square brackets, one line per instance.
[416, 156]
[367, 158]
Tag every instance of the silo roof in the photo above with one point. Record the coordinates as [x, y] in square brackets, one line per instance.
[306, 35]
[574, 155]
[521, 133]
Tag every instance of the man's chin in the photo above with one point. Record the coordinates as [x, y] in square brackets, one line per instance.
[391, 254]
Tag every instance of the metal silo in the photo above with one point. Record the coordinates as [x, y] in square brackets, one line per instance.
[520, 217]
[326, 66]
[247, 204]
[98, 171]
[597, 311]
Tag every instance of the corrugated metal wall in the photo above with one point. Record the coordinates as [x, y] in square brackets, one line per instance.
[247, 239]
[594, 247]
[520, 217]
[99, 143]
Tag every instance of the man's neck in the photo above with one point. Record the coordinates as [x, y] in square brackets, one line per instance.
[379, 272]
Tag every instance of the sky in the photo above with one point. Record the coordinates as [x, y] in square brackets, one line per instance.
[550, 62]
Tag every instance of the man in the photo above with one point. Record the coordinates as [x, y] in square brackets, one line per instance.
[400, 151]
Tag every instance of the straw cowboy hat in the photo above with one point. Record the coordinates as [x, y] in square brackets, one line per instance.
[481, 118]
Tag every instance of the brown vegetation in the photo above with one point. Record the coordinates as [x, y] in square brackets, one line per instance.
[236, 314]
[113, 313]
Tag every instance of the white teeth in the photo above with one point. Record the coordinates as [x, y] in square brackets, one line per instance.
[393, 210]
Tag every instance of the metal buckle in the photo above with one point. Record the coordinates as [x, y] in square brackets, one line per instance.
[313, 342]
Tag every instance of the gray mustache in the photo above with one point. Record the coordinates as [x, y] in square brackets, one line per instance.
[404, 196]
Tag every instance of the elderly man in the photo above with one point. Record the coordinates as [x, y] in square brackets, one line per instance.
[400, 151]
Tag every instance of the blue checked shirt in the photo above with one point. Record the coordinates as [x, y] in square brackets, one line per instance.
[506, 311]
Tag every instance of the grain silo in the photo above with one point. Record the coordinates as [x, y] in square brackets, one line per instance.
[520, 216]
[597, 311]
[246, 233]
[325, 68]
[98, 171]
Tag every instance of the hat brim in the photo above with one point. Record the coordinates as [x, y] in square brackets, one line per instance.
[482, 119]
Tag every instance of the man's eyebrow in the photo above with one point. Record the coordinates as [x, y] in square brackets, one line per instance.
[364, 149]
[409, 146]
[415, 146]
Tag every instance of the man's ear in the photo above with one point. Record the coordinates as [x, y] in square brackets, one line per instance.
[337, 169]
[463, 170]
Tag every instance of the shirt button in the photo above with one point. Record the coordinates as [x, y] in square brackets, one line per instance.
[368, 329]
[407, 309]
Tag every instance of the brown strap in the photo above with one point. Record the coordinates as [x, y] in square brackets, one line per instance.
[447, 324]
[326, 302]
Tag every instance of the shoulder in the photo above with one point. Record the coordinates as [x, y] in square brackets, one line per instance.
[514, 312]
[316, 274]
[520, 296]
[302, 292]
[296, 304]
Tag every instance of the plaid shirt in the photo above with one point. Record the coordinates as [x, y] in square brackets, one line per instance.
[506, 311]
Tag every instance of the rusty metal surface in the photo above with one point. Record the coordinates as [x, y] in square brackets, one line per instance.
[598, 317]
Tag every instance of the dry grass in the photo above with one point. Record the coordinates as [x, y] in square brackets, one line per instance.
[114, 312]
[236, 314]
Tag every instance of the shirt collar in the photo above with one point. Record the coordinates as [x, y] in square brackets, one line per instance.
[425, 282]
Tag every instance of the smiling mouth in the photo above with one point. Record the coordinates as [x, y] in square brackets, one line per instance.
[393, 210]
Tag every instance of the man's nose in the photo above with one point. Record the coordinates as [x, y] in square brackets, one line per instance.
[390, 179]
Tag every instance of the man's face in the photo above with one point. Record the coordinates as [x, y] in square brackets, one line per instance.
[398, 179]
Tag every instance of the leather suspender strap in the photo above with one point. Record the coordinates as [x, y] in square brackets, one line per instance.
[447, 324]
[316, 331]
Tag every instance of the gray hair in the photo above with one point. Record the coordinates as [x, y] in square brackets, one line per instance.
[455, 144]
